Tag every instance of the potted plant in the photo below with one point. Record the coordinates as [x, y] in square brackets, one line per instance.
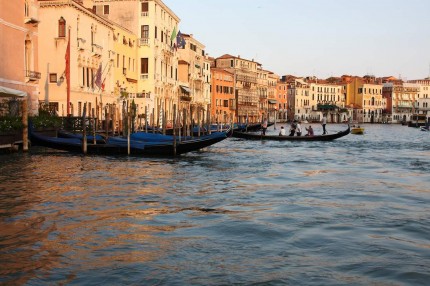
[10, 129]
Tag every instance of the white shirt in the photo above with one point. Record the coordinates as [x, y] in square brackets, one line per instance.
[324, 120]
[282, 132]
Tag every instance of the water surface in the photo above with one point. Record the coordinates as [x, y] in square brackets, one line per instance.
[354, 211]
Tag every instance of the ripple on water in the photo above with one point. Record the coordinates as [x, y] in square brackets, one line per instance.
[352, 211]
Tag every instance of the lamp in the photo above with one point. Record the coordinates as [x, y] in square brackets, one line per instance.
[61, 79]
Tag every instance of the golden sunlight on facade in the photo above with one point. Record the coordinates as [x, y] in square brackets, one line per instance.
[19, 69]
[75, 35]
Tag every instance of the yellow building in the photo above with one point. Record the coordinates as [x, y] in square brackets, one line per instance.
[364, 97]
[157, 62]
[125, 67]
[66, 23]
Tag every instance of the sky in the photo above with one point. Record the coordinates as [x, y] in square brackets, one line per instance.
[320, 38]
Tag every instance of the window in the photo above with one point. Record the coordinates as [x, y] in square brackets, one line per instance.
[106, 9]
[144, 6]
[144, 65]
[61, 28]
[144, 31]
[155, 36]
[53, 77]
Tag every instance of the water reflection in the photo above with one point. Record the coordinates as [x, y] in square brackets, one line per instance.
[342, 212]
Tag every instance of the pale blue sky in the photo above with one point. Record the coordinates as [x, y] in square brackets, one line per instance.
[323, 38]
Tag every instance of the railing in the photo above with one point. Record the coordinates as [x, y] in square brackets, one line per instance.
[144, 14]
[143, 41]
[144, 76]
[32, 75]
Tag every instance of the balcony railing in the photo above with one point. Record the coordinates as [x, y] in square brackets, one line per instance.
[144, 76]
[32, 75]
[144, 14]
[143, 41]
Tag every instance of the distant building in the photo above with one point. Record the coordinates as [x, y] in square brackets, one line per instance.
[422, 104]
[246, 86]
[364, 98]
[223, 105]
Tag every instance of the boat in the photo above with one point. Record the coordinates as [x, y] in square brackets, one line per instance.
[259, 136]
[119, 145]
[357, 130]
[424, 128]
[418, 120]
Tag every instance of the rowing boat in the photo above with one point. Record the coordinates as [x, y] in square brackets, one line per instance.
[259, 136]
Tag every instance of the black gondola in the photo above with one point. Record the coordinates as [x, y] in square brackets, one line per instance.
[117, 146]
[259, 136]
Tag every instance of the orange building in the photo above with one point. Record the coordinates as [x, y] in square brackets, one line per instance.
[19, 47]
[223, 105]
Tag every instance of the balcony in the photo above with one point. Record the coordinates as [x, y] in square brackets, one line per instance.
[144, 76]
[185, 98]
[32, 75]
[143, 42]
[30, 14]
[97, 50]
[144, 14]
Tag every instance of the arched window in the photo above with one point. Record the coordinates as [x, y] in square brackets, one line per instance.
[61, 28]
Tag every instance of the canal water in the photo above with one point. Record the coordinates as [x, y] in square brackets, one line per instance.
[354, 211]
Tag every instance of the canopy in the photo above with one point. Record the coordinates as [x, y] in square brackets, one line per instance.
[9, 92]
[272, 101]
[185, 89]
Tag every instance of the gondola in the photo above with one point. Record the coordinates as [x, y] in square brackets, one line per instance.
[118, 145]
[259, 136]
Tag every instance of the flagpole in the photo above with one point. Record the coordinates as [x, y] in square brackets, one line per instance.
[68, 75]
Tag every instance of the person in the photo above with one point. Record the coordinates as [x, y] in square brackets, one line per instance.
[293, 128]
[298, 129]
[310, 131]
[324, 123]
[282, 132]
[264, 126]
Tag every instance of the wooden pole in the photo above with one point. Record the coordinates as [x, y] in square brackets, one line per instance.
[25, 124]
[94, 127]
[209, 118]
[146, 119]
[198, 121]
[174, 130]
[84, 130]
[128, 128]
[153, 120]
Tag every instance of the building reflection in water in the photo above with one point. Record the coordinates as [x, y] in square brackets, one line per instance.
[62, 211]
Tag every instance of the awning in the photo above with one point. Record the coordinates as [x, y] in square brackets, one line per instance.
[272, 101]
[327, 106]
[9, 92]
[185, 89]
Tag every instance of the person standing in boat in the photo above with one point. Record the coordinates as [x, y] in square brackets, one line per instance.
[324, 123]
[264, 126]
[298, 129]
[293, 128]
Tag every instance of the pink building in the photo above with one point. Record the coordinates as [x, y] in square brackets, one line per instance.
[19, 48]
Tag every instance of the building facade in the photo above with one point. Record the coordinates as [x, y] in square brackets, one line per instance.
[156, 27]
[19, 69]
[223, 104]
[72, 33]
[246, 91]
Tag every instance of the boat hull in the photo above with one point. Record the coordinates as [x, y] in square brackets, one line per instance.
[258, 136]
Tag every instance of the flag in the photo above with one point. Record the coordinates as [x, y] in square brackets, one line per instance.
[173, 36]
[98, 80]
[180, 41]
[67, 72]
[103, 84]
